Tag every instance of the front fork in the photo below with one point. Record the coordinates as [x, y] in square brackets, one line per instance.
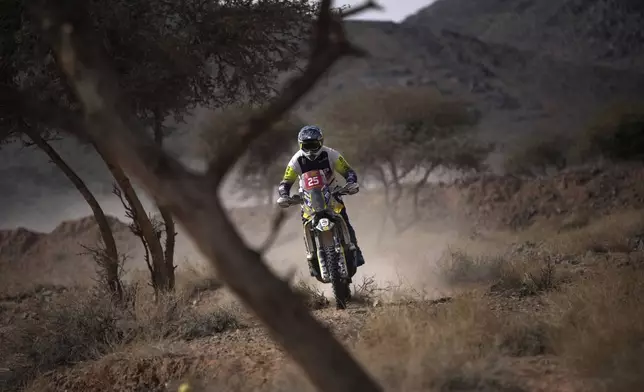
[308, 241]
[308, 238]
[311, 247]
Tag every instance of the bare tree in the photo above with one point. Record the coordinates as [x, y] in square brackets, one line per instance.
[107, 257]
[391, 133]
[191, 197]
[15, 121]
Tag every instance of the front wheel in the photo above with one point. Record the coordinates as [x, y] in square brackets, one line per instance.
[341, 290]
[332, 262]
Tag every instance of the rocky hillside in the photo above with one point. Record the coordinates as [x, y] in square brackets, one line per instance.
[518, 88]
[598, 31]
[57, 257]
[569, 198]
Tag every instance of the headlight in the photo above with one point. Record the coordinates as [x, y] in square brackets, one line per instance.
[324, 224]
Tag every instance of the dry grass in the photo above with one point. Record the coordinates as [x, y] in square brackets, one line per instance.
[366, 292]
[85, 326]
[597, 326]
[312, 296]
[173, 318]
[193, 280]
[425, 346]
[446, 347]
[616, 233]
[595, 322]
[576, 234]
[60, 336]
[507, 273]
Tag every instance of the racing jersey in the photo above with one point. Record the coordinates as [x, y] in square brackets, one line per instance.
[329, 161]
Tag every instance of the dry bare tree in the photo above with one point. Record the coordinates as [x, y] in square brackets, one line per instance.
[17, 119]
[192, 198]
[389, 133]
[106, 254]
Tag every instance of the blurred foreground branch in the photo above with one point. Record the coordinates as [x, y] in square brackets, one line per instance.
[192, 197]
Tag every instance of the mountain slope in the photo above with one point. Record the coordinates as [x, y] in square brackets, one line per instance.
[604, 31]
[517, 90]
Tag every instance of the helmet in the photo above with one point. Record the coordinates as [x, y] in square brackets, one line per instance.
[310, 139]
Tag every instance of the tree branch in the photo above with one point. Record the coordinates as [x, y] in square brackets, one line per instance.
[361, 8]
[324, 54]
[276, 225]
[190, 198]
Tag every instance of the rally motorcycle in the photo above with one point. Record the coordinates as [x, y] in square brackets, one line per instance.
[326, 234]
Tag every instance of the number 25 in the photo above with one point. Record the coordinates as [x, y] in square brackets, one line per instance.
[312, 181]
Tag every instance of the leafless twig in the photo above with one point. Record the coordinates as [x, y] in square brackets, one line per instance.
[369, 5]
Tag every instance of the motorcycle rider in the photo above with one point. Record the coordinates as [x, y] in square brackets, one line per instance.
[313, 155]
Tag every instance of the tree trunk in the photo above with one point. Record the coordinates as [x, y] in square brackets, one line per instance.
[168, 221]
[111, 262]
[395, 181]
[394, 204]
[387, 202]
[161, 280]
[419, 186]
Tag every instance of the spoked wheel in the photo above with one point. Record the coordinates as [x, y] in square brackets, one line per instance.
[341, 293]
[340, 285]
[341, 290]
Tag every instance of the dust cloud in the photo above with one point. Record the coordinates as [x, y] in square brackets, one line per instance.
[392, 258]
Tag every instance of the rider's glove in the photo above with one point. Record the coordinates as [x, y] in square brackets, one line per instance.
[283, 202]
[352, 188]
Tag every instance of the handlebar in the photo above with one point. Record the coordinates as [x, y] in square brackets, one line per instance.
[297, 199]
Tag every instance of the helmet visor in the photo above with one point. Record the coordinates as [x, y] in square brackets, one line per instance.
[311, 145]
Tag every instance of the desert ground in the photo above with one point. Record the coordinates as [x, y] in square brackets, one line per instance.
[463, 299]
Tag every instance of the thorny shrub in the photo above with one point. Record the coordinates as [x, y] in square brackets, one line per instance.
[312, 296]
